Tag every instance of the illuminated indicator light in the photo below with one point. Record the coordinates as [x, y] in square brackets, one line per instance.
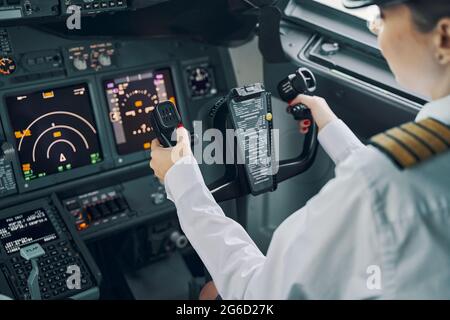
[269, 117]
[79, 92]
[172, 99]
[20, 134]
[60, 168]
[48, 94]
[26, 166]
[147, 145]
[95, 157]
[82, 226]
[68, 166]
[57, 134]
[138, 104]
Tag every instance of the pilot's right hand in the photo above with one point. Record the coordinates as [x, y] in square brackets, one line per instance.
[164, 158]
[320, 110]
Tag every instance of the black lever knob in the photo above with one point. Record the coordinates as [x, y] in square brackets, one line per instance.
[300, 112]
[301, 82]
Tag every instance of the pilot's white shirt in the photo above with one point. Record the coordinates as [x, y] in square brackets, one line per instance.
[373, 232]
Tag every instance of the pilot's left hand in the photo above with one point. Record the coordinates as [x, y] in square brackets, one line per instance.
[321, 111]
[164, 158]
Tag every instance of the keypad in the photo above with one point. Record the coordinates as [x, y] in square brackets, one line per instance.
[52, 272]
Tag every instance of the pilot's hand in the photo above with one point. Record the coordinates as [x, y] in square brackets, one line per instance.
[164, 158]
[209, 292]
[320, 110]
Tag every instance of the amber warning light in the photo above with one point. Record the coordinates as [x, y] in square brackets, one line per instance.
[48, 94]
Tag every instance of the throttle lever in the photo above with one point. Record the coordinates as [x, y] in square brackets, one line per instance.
[165, 119]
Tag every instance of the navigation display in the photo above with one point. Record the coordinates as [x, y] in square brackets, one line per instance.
[130, 99]
[26, 228]
[54, 130]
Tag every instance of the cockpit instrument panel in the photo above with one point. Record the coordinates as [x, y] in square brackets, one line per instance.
[201, 81]
[130, 100]
[54, 130]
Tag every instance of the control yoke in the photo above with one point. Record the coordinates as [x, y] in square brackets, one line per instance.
[248, 110]
[241, 106]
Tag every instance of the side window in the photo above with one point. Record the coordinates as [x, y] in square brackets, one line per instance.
[345, 42]
[365, 13]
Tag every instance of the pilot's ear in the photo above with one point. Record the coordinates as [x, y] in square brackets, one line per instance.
[442, 41]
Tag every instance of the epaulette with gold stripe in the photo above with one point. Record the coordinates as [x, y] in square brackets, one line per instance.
[414, 142]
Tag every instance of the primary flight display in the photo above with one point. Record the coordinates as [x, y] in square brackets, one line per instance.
[130, 99]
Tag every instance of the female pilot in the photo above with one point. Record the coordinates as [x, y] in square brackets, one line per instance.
[381, 228]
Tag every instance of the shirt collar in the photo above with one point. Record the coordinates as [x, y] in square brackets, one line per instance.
[439, 110]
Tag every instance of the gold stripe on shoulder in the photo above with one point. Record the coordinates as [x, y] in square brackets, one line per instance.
[437, 128]
[414, 144]
[435, 144]
[402, 156]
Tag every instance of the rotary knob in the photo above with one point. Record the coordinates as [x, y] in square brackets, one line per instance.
[104, 60]
[80, 63]
[179, 240]
[158, 198]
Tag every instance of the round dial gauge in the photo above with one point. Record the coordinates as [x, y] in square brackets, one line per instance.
[200, 81]
[7, 65]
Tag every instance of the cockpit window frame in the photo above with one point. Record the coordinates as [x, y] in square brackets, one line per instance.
[322, 21]
[332, 22]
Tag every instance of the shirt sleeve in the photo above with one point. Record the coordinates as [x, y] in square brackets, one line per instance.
[228, 252]
[338, 140]
[316, 253]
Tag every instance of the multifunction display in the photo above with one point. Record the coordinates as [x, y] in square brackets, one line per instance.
[26, 228]
[130, 99]
[54, 130]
